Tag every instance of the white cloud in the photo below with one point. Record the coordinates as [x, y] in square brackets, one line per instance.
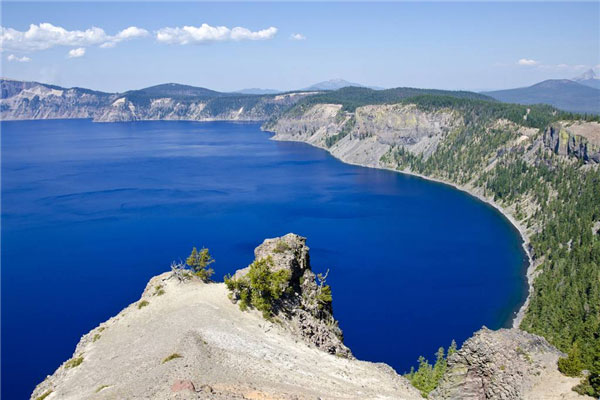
[527, 62]
[206, 33]
[133, 32]
[14, 58]
[76, 53]
[239, 33]
[297, 36]
[46, 35]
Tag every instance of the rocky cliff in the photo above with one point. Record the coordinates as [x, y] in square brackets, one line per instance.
[364, 136]
[580, 140]
[505, 364]
[228, 108]
[32, 100]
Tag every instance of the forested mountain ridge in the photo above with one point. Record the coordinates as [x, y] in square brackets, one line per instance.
[536, 163]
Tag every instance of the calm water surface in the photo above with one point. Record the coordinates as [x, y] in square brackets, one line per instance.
[91, 211]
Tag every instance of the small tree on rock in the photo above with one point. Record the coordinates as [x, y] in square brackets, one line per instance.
[198, 261]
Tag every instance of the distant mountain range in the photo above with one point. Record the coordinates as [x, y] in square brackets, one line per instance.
[258, 91]
[582, 94]
[332, 84]
[335, 84]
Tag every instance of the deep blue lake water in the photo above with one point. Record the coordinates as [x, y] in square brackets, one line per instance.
[91, 211]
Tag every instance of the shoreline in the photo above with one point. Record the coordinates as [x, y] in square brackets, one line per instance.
[520, 314]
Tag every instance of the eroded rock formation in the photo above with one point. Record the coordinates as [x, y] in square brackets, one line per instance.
[300, 310]
[506, 364]
[581, 140]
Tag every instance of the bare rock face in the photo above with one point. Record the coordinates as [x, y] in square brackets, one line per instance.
[32, 100]
[299, 310]
[504, 364]
[405, 125]
[580, 140]
[362, 137]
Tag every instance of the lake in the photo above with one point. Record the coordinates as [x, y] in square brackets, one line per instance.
[91, 211]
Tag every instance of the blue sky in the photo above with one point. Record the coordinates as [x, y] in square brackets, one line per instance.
[472, 45]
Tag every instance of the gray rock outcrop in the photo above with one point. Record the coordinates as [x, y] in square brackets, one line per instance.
[506, 364]
[581, 141]
[299, 309]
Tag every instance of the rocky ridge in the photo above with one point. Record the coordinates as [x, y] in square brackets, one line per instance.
[187, 340]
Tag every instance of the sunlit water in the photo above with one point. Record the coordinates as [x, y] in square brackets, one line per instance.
[91, 211]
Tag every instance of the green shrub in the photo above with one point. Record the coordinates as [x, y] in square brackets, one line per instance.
[260, 288]
[142, 304]
[44, 395]
[324, 297]
[427, 377]
[198, 261]
[96, 337]
[158, 290]
[571, 365]
[99, 388]
[74, 362]
[171, 357]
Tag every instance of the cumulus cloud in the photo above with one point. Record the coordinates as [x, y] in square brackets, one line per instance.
[133, 32]
[46, 35]
[76, 53]
[14, 58]
[297, 36]
[206, 33]
[527, 62]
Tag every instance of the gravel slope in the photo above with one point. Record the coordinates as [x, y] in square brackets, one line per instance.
[225, 353]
